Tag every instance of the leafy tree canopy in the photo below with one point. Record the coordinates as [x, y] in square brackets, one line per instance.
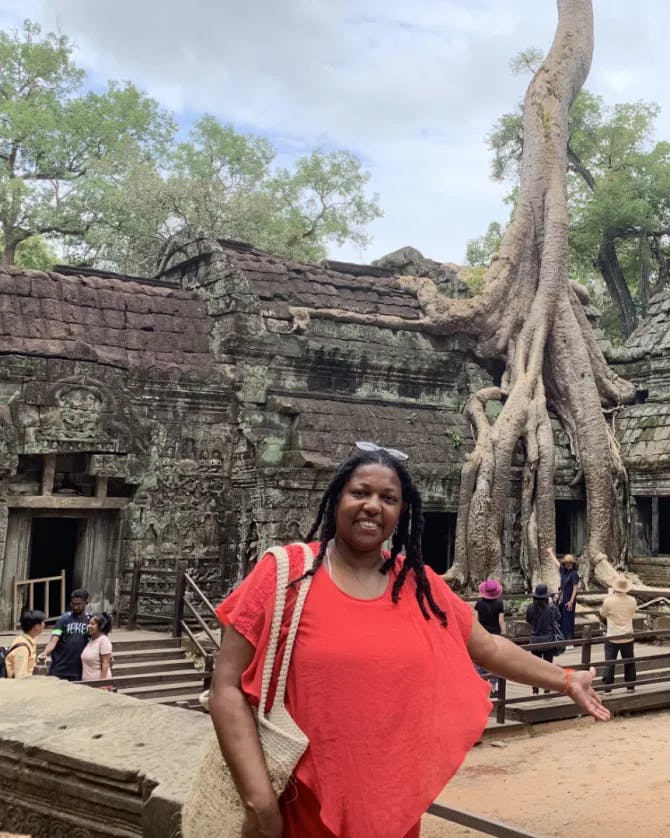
[103, 176]
[619, 198]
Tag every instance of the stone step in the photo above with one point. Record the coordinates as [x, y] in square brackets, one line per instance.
[166, 689]
[131, 666]
[149, 655]
[121, 682]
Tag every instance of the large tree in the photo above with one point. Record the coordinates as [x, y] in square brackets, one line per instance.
[60, 143]
[222, 184]
[103, 176]
[618, 194]
[530, 317]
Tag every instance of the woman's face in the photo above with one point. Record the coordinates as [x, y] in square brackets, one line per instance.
[369, 507]
[93, 627]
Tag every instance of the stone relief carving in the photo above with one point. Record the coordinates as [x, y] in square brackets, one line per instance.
[77, 413]
[24, 821]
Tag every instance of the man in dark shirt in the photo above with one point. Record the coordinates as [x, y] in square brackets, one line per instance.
[68, 638]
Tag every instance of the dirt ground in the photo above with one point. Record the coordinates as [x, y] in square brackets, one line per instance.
[580, 780]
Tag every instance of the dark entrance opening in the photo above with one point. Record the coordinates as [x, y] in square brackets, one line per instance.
[439, 539]
[570, 520]
[664, 526]
[53, 548]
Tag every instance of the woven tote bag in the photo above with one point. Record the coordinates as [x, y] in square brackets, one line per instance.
[212, 808]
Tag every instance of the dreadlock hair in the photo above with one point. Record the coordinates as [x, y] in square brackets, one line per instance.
[407, 534]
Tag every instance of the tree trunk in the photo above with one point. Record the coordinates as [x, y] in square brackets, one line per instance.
[9, 254]
[530, 316]
[610, 269]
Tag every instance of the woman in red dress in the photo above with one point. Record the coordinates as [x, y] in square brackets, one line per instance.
[381, 679]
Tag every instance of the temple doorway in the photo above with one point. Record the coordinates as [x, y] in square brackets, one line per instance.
[53, 548]
[439, 539]
[570, 527]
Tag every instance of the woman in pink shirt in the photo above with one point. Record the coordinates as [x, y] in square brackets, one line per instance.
[96, 659]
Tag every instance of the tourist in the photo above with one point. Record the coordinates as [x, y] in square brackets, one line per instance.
[617, 612]
[96, 659]
[541, 615]
[567, 592]
[381, 679]
[68, 638]
[491, 615]
[21, 656]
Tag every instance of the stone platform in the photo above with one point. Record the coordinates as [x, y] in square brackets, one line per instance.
[82, 763]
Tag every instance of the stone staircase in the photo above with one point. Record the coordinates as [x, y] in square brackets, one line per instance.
[150, 665]
[153, 667]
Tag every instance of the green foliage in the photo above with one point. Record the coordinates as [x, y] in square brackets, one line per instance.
[480, 251]
[103, 174]
[34, 253]
[619, 198]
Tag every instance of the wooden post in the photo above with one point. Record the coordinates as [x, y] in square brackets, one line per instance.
[134, 595]
[587, 633]
[48, 474]
[502, 694]
[209, 672]
[655, 540]
[180, 590]
[62, 591]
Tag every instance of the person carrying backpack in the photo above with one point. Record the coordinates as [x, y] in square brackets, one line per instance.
[21, 656]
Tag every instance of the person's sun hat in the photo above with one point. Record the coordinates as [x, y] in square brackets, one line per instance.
[541, 591]
[568, 558]
[490, 589]
[622, 585]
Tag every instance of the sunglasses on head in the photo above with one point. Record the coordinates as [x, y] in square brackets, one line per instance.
[372, 446]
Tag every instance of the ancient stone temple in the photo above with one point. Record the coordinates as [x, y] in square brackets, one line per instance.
[199, 416]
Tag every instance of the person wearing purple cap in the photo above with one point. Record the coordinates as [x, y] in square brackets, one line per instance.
[491, 615]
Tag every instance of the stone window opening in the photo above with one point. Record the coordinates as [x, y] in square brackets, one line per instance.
[570, 527]
[438, 540]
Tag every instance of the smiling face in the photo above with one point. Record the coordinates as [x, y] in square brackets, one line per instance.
[93, 627]
[368, 508]
[77, 605]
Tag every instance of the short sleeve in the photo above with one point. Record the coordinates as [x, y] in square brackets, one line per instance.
[105, 645]
[500, 606]
[59, 625]
[454, 606]
[247, 608]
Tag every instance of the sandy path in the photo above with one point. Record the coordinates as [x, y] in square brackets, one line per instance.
[583, 780]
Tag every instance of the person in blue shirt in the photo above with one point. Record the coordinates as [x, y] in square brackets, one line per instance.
[567, 592]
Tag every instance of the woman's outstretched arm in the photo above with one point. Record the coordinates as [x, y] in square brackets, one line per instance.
[502, 657]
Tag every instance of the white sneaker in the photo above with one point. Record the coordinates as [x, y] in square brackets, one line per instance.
[569, 648]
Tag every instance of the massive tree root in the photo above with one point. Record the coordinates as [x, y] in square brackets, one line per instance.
[532, 318]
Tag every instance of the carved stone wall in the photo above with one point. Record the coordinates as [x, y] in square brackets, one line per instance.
[212, 406]
[107, 770]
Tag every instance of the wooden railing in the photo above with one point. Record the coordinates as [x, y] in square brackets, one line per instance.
[586, 643]
[477, 822]
[24, 596]
[185, 603]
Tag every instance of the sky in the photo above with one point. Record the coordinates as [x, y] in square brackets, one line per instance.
[411, 88]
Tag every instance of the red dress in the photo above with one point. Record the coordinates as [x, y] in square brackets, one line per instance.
[391, 702]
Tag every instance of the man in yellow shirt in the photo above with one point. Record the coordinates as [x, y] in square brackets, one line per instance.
[617, 612]
[22, 655]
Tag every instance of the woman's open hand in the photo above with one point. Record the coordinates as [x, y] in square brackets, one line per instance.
[584, 696]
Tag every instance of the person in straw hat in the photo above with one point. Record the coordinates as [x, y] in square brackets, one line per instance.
[567, 591]
[617, 612]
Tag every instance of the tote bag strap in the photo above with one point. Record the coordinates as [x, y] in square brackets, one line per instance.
[283, 567]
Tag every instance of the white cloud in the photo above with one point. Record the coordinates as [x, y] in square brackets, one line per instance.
[413, 89]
